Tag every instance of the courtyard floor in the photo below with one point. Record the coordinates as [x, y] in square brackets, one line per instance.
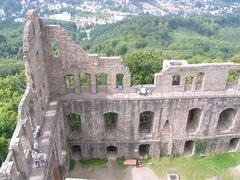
[226, 166]
[112, 172]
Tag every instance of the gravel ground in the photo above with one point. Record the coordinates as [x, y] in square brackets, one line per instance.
[113, 173]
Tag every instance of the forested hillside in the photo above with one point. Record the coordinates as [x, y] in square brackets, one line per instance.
[196, 39]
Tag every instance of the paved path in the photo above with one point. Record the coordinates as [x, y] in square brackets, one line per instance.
[112, 172]
[142, 173]
[235, 171]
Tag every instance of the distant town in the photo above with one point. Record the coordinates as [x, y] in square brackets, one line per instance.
[88, 13]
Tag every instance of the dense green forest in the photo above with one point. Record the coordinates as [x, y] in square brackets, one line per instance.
[11, 90]
[196, 39]
[143, 42]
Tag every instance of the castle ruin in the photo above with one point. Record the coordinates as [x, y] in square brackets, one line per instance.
[86, 107]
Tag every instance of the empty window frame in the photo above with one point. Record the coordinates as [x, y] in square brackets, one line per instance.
[55, 49]
[145, 121]
[69, 81]
[101, 79]
[85, 80]
[189, 147]
[110, 119]
[76, 152]
[144, 150]
[226, 119]
[176, 80]
[233, 144]
[75, 119]
[188, 82]
[119, 81]
[232, 79]
[199, 81]
[194, 116]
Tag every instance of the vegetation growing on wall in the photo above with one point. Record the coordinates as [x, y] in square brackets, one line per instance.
[110, 118]
[75, 119]
[200, 146]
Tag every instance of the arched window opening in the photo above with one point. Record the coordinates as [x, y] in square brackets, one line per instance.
[199, 81]
[189, 148]
[119, 81]
[194, 116]
[232, 79]
[110, 119]
[233, 144]
[112, 150]
[144, 150]
[145, 122]
[226, 119]
[69, 81]
[176, 80]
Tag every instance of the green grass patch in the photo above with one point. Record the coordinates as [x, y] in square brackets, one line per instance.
[120, 164]
[196, 168]
[72, 164]
[96, 162]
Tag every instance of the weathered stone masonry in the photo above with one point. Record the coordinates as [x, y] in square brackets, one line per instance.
[86, 107]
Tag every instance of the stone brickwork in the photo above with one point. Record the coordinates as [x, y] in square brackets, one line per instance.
[107, 116]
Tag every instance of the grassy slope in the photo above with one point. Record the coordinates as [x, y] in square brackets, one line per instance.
[196, 168]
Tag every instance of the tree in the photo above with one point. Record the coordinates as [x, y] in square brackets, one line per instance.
[143, 64]
[11, 90]
[121, 48]
[236, 58]
[3, 148]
